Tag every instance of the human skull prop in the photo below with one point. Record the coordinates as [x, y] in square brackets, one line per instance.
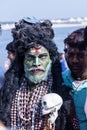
[51, 103]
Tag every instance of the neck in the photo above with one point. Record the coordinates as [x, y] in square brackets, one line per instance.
[80, 77]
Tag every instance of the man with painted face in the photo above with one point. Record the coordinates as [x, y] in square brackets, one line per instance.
[21, 108]
[37, 64]
[76, 78]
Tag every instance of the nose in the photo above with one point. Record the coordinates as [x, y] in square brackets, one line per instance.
[75, 59]
[36, 62]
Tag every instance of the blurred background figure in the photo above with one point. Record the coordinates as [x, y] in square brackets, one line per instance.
[64, 65]
[8, 63]
[2, 71]
[11, 55]
[11, 52]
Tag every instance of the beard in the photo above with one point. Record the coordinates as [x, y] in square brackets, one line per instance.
[38, 78]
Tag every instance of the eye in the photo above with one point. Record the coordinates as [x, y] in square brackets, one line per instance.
[70, 54]
[43, 56]
[80, 55]
[29, 57]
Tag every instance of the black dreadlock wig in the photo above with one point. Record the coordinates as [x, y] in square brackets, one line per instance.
[28, 34]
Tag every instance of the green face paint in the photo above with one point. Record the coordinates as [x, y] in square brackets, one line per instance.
[37, 64]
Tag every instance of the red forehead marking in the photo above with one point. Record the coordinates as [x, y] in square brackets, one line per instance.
[36, 51]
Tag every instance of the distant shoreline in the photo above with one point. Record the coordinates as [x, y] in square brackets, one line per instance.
[69, 25]
[55, 25]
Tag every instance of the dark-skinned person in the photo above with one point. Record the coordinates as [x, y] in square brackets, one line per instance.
[75, 47]
[21, 107]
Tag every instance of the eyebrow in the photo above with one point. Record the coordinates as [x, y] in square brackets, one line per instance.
[29, 55]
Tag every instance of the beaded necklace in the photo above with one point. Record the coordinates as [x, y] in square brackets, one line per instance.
[26, 111]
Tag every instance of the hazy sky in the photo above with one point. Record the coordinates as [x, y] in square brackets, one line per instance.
[13, 10]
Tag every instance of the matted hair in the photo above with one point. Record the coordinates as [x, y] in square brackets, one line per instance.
[26, 34]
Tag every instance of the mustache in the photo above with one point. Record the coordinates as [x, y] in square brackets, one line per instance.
[37, 68]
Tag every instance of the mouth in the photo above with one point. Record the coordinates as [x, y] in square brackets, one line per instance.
[37, 70]
[75, 68]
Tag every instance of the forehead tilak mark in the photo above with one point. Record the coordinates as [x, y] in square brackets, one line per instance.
[36, 51]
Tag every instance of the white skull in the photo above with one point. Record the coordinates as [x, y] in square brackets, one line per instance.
[51, 103]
